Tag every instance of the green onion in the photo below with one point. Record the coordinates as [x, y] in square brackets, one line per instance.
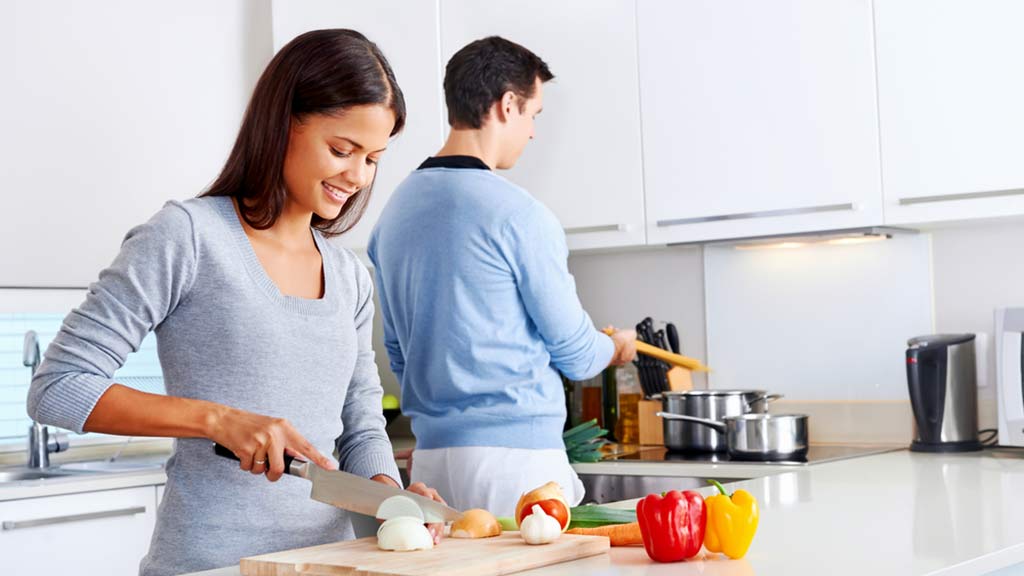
[593, 516]
[583, 442]
[508, 524]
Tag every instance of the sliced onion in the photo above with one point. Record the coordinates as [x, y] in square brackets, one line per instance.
[399, 506]
[403, 534]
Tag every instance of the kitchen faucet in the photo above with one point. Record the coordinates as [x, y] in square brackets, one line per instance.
[39, 442]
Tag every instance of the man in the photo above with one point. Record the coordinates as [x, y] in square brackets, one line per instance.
[480, 312]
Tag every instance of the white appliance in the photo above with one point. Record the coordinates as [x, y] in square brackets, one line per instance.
[1010, 375]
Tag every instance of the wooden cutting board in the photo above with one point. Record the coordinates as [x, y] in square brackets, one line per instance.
[505, 554]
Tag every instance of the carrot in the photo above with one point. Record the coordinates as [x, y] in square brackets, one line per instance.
[619, 534]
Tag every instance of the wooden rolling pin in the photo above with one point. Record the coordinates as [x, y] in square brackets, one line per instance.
[665, 355]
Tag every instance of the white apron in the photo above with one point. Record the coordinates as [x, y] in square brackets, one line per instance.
[493, 478]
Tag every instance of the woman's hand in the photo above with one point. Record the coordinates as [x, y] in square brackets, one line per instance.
[436, 530]
[260, 442]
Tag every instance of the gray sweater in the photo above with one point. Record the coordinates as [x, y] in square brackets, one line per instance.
[225, 333]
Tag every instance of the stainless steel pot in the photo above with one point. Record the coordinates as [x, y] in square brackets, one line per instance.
[757, 436]
[712, 405]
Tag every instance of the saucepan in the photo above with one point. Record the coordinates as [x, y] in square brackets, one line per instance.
[758, 436]
[711, 405]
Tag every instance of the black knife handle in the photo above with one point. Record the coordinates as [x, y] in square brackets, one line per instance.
[224, 452]
[673, 337]
[659, 340]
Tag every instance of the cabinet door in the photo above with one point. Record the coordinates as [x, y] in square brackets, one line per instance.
[406, 33]
[759, 117]
[585, 161]
[109, 110]
[90, 534]
[950, 93]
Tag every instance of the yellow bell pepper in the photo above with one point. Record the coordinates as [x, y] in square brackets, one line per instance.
[732, 522]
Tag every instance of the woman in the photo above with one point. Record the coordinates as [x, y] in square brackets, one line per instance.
[263, 327]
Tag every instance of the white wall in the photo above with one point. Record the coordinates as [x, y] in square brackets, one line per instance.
[978, 268]
[666, 284]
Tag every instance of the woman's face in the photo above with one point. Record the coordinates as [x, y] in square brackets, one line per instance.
[331, 157]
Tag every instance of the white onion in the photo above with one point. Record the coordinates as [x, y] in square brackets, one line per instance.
[403, 534]
[398, 506]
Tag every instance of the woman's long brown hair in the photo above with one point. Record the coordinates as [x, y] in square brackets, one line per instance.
[319, 72]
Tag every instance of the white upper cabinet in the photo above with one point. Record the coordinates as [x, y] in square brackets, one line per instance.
[759, 117]
[951, 101]
[108, 110]
[406, 33]
[585, 161]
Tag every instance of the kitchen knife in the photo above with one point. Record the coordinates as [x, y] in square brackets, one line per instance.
[673, 338]
[657, 368]
[350, 492]
[643, 364]
[662, 342]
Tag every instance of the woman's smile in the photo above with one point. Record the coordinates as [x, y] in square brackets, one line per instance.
[335, 194]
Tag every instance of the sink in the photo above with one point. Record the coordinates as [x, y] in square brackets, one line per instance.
[126, 465]
[91, 468]
[605, 488]
[25, 474]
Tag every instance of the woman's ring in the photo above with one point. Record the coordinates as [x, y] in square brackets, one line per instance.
[261, 462]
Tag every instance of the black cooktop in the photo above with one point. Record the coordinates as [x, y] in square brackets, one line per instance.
[816, 454]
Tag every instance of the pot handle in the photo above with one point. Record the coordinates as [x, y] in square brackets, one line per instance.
[766, 399]
[718, 426]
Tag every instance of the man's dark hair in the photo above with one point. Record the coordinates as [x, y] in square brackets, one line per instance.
[481, 72]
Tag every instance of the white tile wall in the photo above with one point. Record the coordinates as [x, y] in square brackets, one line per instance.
[142, 369]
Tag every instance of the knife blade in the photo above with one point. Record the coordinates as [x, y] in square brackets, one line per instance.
[350, 492]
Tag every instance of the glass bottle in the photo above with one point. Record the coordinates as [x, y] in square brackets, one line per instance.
[627, 429]
[590, 401]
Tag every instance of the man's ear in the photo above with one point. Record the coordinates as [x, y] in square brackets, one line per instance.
[508, 101]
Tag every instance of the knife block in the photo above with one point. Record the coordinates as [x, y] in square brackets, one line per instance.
[679, 379]
[652, 432]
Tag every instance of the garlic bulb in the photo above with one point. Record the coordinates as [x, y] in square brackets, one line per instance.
[539, 528]
[404, 533]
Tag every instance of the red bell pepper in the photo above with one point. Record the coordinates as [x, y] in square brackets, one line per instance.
[672, 526]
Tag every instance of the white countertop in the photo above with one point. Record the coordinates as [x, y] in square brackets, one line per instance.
[78, 483]
[895, 513]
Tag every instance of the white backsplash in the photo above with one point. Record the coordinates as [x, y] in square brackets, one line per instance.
[978, 269]
[666, 284]
[818, 322]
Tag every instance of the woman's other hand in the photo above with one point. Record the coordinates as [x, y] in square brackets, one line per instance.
[436, 530]
[260, 442]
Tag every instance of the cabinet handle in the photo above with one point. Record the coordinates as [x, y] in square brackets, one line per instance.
[19, 524]
[592, 229]
[763, 214]
[964, 196]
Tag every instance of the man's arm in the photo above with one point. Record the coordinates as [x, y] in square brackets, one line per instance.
[539, 256]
